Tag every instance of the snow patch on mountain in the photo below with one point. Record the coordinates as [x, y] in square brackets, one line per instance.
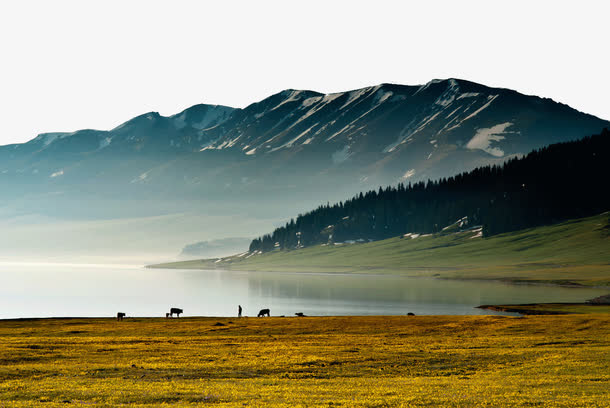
[459, 122]
[447, 97]
[352, 124]
[427, 85]
[478, 233]
[293, 140]
[105, 142]
[382, 96]
[408, 174]
[321, 129]
[293, 96]
[451, 114]
[346, 127]
[140, 178]
[48, 138]
[341, 155]
[232, 142]
[468, 95]
[310, 101]
[398, 98]
[325, 99]
[484, 137]
[213, 116]
[310, 112]
[331, 97]
[490, 99]
[357, 94]
[222, 145]
[426, 121]
[403, 137]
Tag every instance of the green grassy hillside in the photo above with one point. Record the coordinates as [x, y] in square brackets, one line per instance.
[572, 252]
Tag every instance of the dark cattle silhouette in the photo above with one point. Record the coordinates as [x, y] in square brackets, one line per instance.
[264, 312]
[167, 315]
[300, 314]
[175, 310]
[410, 314]
[120, 316]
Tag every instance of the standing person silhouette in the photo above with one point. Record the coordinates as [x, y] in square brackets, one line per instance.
[238, 310]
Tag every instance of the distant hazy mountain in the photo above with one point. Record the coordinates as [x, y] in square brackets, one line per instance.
[270, 160]
[215, 248]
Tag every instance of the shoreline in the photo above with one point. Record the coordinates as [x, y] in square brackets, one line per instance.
[573, 253]
[538, 309]
[524, 309]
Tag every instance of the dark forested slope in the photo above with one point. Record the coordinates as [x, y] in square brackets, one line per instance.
[558, 182]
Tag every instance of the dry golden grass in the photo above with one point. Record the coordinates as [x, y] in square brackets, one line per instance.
[547, 361]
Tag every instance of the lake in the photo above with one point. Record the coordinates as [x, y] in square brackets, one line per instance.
[65, 290]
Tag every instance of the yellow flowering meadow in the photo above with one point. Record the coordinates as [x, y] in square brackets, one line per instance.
[381, 361]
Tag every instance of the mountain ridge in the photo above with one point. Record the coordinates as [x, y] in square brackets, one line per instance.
[365, 137]
[279, 156]
[467, 83]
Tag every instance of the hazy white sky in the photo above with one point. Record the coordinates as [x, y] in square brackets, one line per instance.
[72, 64]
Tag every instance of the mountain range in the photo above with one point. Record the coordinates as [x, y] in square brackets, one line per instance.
[214, 171]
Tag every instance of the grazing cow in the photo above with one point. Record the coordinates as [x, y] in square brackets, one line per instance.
[174, 310]
[264, 312]
[120, 316]
[410, 314]
[300, 314]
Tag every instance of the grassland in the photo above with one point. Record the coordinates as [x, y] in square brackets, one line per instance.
[397, 361]
[576, 252]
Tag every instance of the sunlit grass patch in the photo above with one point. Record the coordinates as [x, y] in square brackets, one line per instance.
[325, 361]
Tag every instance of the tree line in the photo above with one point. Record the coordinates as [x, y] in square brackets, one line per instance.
[549, 185]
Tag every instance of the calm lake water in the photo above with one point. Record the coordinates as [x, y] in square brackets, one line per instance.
[44, 290]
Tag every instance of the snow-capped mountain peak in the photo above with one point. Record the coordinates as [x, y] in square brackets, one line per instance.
[365, 137]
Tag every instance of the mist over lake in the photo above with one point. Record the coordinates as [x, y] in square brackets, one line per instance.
[68, 290]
